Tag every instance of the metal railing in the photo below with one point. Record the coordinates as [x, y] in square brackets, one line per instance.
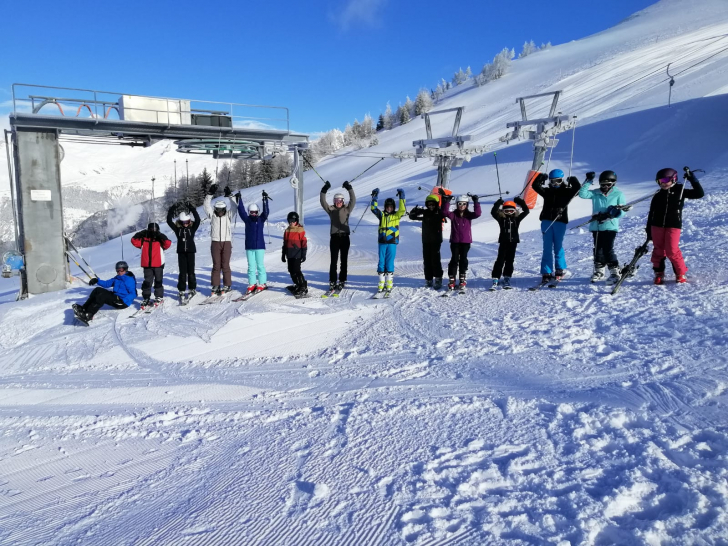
[99, 105]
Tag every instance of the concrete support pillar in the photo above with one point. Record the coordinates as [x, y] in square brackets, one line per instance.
[40, 210]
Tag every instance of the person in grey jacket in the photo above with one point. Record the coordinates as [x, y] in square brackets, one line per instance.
[221, 235]
[340, 243]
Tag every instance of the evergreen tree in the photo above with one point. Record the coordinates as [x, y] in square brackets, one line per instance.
[388, 118]
[367, 126]
[459, 78]
[528, 48]
[423, 102]
[409, 106]
[404, 115]
[380, 122]
[468, 73]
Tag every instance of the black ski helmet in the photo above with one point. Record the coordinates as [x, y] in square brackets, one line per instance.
[292, 217]
[608, 176]
[122, 265]
[388, 201]
[666, 173]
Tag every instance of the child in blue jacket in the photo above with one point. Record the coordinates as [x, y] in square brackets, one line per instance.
[121, 295]
[606, 202]
[255, 243]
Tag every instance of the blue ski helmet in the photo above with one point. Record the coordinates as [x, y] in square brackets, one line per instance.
[556, 173]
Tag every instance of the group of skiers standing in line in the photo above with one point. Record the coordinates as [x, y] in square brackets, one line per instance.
[664, 224]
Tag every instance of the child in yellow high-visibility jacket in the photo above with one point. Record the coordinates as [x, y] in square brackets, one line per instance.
[388, 236]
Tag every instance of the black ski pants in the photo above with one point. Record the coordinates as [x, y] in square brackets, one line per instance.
[339, 246]
[604, 248]
[459, 260]
[153, 274]
[432, 260]
[294, 268]
[100, 297]
[187, 277]
[504, 261]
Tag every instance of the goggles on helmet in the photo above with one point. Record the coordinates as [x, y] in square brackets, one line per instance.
[509, 210]
[433, 203]
[338, 200]
[667, 179]
[556, 181]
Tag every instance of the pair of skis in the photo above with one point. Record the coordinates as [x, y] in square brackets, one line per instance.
[452, 291]
[334, 292]
[382, 294]
[551, 283]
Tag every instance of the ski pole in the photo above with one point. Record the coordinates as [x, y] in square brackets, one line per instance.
[362, 215]
[69, 242]
[495, 156]
[314, 168]
[78, 264]
[487, 195]
[357, 176]
[121, 238]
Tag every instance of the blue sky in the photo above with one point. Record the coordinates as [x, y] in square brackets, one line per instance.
[328, 61]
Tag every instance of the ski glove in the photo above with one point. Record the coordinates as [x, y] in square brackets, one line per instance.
[346, 185]
[303, 258]
[572, 180]
[590, 175]
[400, 193]
[283, 256]
[541, 178]
[500, 201]
[93, 281]
[648, 229]
[227, 192]
[474, 198]
[602, 216]
[375, 193]
[265, 196]
[613, 211]
[326, 187]
[212, 189]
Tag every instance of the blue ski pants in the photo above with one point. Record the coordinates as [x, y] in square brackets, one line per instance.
[387, 253]
[553, 246]
[256, 267]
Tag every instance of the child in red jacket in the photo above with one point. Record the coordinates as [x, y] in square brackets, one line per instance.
[153, 244]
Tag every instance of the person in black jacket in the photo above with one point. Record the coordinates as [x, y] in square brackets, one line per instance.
[184, 228]
[508, 240]
[554, 217]
[664, 221]
[432, 219]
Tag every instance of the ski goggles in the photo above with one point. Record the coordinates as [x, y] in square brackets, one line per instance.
[667, 179]
[462, 203]
[187, 223]
[253, 212]
[431, 204]
[509, 210]
[338, 201]
[118, 269]
[609, 181]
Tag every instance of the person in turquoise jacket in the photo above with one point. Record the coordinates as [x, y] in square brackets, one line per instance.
[606, 203]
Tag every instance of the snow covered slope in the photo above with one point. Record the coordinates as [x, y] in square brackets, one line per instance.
[554, 417]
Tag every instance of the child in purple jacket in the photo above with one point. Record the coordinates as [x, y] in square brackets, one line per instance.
[460, 235]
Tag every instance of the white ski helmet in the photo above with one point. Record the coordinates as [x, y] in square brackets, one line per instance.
[339, 196]
[253, 208]
[184, 217]
[220, 205]
[463, 199]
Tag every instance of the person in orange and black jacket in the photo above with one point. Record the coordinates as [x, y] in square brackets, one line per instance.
[294, 251]
[153, 243]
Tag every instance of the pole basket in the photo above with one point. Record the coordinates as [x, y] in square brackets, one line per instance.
[529, 195]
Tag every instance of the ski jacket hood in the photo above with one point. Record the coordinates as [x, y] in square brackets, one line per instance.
[153, 244]
[509, 224]
[460, 231]
[123, 286]
[254, 226]
[339, 217]
[221, 227]
[389, 223]
[600, 203]
[185, 235]
[667, 205]
[555, 200]
[432, 220]
[295, 244]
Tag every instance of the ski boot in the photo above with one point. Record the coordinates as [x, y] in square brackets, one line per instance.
[388, 281]
[559, 274]
[429, 283]
[680, 279]
[598, 274]
[507, 283]
[216, 291]
[226, 289]
[191, 294]
[494, 285]
[145, 303]
[182, 295]
[261, 287]
[157, 302]
[659, 277]
[613, 276]
[340, 286]
[451, 284]
[438, 283]
[462, 284]
[250, 289]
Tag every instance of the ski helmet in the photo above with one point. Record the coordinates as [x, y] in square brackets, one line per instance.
[152, 226]
[292, 217]
[509, 205]
[556, 173]
[122, 265]
[666, 176]
[608, 176]
[253, 208]
[463, 199]
[338, 196]
[184, 217]
[388, 202]
[220, 205]
[432, 198]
